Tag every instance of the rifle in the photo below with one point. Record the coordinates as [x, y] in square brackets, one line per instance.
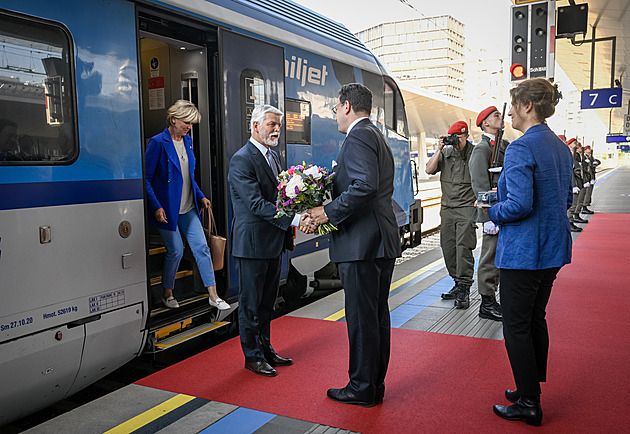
[495, 169]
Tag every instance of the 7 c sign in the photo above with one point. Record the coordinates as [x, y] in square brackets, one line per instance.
[601, 98]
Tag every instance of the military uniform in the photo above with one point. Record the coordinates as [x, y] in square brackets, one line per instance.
[592, 165]
[578, 198]
[480, 162]
[457, 232]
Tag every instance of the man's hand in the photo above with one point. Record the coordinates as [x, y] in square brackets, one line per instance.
[317, 215]
[307, 225]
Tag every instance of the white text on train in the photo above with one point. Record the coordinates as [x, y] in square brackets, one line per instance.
[297, 68]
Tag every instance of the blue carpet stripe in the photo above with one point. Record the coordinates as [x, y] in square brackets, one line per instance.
[240, 421]
[172, 416]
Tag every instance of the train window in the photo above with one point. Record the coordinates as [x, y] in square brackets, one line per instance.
[252, 94]
[395, 116]
[298, 121]
[36, 93]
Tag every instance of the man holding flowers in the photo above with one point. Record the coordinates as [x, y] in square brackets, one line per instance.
[257, 238]
[365, 244]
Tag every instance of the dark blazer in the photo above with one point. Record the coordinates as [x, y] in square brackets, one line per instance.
[164, 178]
[255, 233]
[362, 198]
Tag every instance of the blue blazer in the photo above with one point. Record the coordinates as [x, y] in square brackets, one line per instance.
[534, 194]
[362, 193]
[164, 178]
[255, 233]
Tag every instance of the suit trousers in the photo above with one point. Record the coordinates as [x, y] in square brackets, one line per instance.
[259, 281]
[366, 286]
[524, 298]
[487, 272]
[458, 239]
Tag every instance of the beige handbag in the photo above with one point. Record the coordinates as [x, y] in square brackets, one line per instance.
[215, 241]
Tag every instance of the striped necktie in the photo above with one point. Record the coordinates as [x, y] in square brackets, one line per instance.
[272, 163]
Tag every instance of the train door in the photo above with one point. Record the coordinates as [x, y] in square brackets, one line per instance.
[253, 74]
[177, 61]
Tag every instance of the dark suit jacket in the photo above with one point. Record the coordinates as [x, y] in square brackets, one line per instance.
[362, 198]
[255, 233]
[164, 178]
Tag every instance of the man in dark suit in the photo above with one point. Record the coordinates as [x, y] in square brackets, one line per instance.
[365, 245]
[258, 239]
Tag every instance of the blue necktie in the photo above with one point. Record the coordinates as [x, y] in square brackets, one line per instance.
[272, 163]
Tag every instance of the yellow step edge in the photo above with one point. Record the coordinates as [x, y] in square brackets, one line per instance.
[199, 332]
[157, 251]
[179, 275]
[165, 331]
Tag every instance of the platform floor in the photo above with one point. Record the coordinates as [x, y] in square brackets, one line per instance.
[415, 304]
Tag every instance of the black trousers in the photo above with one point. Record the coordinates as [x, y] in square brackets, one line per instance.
[524, 298]
[259, 280]
[366, 286]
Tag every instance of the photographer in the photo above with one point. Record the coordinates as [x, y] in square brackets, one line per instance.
[457, 228]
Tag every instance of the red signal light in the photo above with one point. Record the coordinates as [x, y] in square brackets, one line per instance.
[517, 70]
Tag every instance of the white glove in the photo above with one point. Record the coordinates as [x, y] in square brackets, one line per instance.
[586, 185]
[576, 190]
[490, 228]
[593, 182]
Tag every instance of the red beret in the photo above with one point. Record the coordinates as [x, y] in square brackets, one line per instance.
[561, 137]
[485, 113]
[458, 128]
[570, 141]
[587, 147]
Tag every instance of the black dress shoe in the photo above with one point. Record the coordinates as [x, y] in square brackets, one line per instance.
[345, 396]
[276, 360]
[512, 395]
[261, 367]
[585, 210]
[575, 228]
[577, 219]
[524, 408]
[451, 294]
[489, 308]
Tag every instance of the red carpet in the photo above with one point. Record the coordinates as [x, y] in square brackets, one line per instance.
[442, 383]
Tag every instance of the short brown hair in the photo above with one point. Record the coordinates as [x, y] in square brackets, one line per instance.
[543, 95]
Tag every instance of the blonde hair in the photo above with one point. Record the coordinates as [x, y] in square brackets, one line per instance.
[543, 95]
[184, 111]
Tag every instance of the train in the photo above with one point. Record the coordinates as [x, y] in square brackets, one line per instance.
[83, 86]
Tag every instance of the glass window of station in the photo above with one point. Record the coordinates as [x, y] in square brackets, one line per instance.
[37, 103]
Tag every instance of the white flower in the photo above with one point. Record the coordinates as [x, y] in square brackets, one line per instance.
[295, 181]
[314, 172]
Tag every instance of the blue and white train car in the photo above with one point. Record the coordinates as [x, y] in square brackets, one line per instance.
[83, 86]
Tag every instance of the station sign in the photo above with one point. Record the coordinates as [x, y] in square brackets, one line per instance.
[624, 148]
[626, 125]
[601, 98]
[617, 138]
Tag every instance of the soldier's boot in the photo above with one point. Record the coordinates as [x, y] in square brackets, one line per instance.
[490, 308]
[462, 301]
[585, 210]
[452, 294]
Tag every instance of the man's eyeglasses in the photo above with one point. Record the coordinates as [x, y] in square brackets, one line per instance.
[334, 109]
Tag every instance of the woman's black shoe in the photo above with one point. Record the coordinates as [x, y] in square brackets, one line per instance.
[512, 395]
[524, 408]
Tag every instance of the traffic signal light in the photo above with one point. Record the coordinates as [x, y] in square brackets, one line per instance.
[538, 38]
[520, 45]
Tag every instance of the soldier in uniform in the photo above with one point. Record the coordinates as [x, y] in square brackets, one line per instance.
[489, 120]
[579, 181]
[457, 233]
[592, 164]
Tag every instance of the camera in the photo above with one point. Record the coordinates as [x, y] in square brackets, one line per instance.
[486, 199]
[451, 140]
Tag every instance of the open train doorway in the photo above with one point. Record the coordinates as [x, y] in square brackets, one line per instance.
[177, 61]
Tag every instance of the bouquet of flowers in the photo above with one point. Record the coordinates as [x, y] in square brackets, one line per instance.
[303, 187]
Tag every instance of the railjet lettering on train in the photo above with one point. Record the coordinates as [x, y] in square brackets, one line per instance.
[297, 68]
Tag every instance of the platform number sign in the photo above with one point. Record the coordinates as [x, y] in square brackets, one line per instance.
[601, 98]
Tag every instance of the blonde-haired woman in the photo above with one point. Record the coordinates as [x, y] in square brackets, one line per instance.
[175, 198]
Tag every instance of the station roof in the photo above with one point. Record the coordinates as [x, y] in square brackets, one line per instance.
[609, 18]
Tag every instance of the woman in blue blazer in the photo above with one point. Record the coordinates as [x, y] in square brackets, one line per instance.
[174, 197]
[534, 192]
